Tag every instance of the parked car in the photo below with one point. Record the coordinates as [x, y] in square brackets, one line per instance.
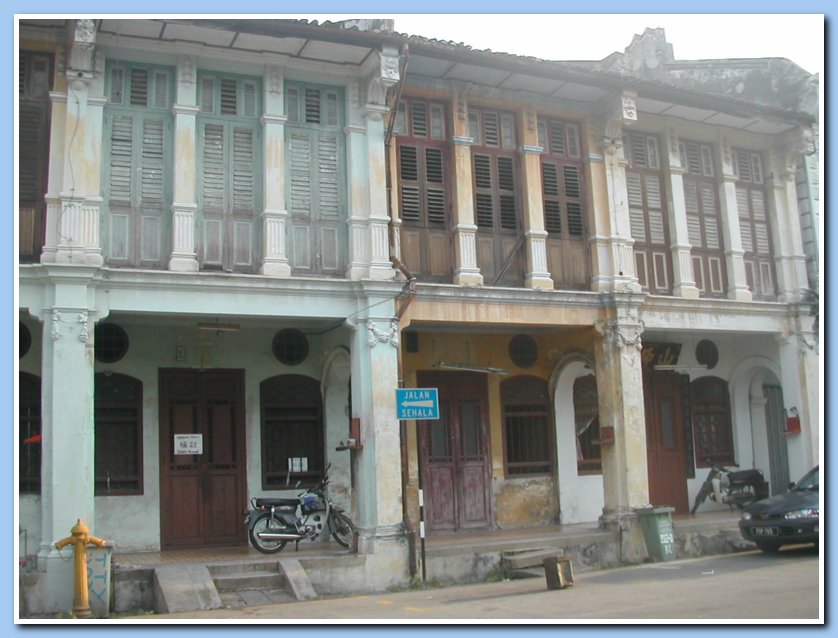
[785, 519]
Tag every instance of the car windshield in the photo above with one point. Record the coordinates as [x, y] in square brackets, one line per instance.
[809, 482]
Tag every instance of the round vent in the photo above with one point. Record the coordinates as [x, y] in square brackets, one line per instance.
[24, 340]
[290, 346]
[111, 343]
[706, 353]
[523, 351]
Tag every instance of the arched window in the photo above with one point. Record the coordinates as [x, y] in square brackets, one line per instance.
[711, 421]
[526, 426]
[586, 418]
[29, 419]
[118, 419]
[292, 431]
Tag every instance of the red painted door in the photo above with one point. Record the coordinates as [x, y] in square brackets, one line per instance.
[202, 494]
[456, 460]
[665, 442]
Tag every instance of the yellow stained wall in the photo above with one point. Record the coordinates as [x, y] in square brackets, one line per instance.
[516, 502]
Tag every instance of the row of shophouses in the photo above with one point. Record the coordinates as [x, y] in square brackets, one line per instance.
[254, 231]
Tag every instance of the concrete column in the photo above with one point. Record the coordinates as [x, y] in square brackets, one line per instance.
[789, 257]
[683, 284]
[67, 459]
[619, 376]
[377, 466]
[737, 282]
[800, 369]
[538, 276]
[76, 227]
[378, 232]
[619, 111]
[274, 216]
[466, 272]
[185, 205]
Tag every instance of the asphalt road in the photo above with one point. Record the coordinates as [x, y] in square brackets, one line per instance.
[749, 586]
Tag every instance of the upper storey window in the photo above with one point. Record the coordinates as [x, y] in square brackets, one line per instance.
[138, 164]
[703, 218]
[647, 212]
[315, 179]
[34, 82]
[751, 202]
[564, 204]
[229, 172]
[423, 163]
[495, 174]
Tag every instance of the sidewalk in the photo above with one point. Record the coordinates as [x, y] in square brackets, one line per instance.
[739, 586]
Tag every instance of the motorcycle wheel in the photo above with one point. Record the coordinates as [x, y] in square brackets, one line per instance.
[702, 494]
[266, 523]
[341, 528]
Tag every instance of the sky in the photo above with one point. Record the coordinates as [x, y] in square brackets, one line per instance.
[798, 37]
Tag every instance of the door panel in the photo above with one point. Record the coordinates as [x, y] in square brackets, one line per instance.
[202, 495]
[778, 471]
[665, 440]
[456, 462]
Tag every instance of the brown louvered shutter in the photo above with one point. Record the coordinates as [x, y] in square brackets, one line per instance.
[34, 81]
[425, 237]
[647, 213]
[754, 227]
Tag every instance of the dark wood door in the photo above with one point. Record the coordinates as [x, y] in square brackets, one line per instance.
[202, 494]
[665, 440]
[456, 460]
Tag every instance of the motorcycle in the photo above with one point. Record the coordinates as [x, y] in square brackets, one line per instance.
[273, 522]
[727, 487]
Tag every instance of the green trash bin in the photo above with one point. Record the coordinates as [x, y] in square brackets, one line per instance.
[657, 532]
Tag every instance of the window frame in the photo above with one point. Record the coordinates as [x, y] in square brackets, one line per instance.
[700, 174]
[34, 120]
[725, 454]
[529, 395]
[592, 465]
[750, 186]
[286, 393]
[30, 424]
[124, 406]
[642, 150]
[561, 156]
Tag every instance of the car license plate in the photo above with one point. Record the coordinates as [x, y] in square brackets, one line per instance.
[765, 531]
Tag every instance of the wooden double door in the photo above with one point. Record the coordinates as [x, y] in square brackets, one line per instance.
[202, 457]
[455, 453]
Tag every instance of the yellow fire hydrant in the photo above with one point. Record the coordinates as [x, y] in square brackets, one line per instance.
[80, 539]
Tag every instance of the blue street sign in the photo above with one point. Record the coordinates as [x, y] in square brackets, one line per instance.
[417, 403]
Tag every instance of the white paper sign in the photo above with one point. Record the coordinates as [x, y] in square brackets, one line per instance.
[189, 443]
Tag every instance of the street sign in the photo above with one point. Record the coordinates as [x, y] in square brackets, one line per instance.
[417, 403]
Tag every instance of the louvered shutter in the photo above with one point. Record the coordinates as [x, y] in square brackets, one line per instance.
[315, 182]
[34, 76]
[138, 193]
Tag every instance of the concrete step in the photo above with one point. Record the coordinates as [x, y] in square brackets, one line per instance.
[240, 567]
[248, 580]
[530, 558]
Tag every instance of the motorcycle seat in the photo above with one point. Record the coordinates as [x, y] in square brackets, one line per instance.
[745, 475]
[276, 502]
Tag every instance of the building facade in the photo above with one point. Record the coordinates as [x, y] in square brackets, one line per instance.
[254, 231]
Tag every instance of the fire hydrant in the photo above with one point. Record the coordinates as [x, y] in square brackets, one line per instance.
[80, 539]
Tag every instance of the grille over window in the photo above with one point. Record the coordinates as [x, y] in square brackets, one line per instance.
[111, 343]
[290, 346]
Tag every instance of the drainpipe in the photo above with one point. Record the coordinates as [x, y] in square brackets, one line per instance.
[406, 296]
